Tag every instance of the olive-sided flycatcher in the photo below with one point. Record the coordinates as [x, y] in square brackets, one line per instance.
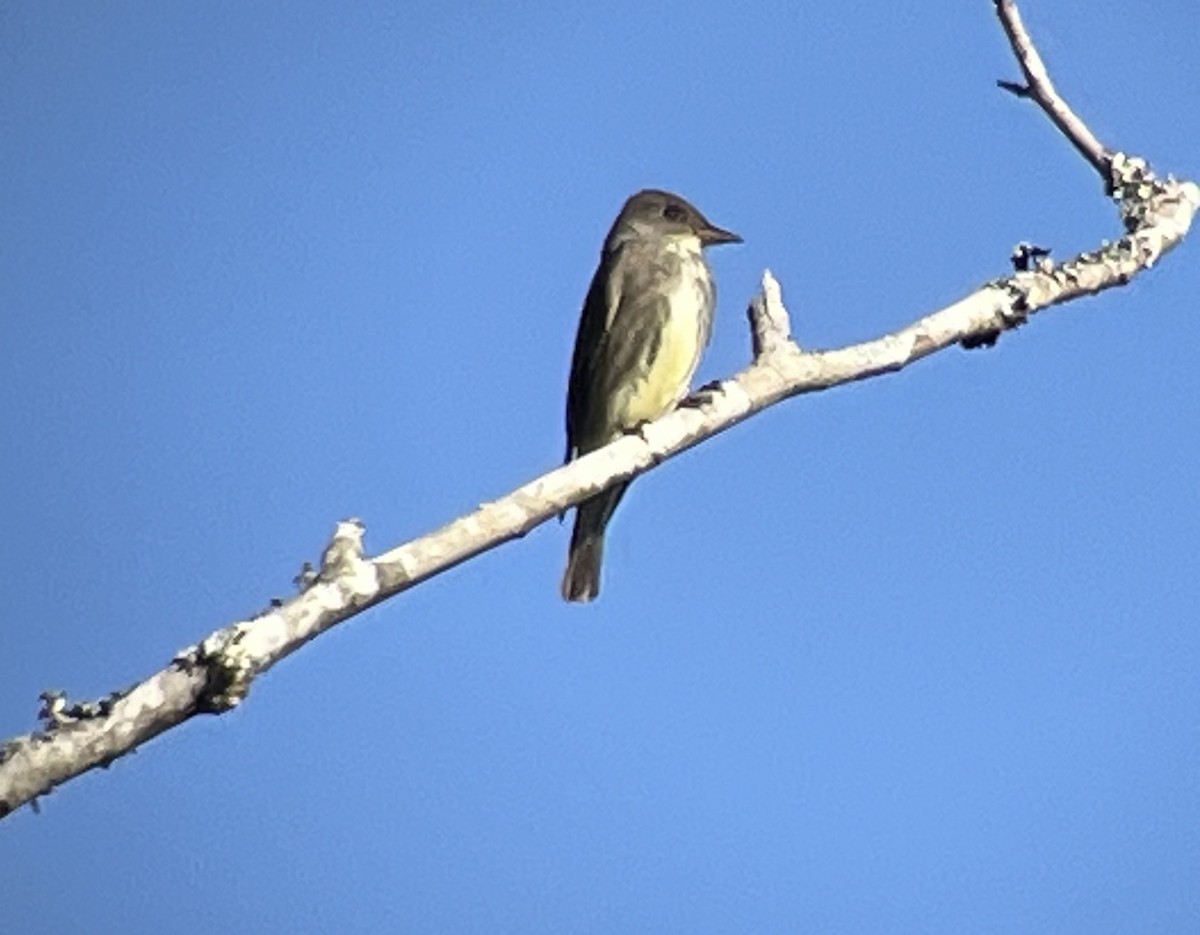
[645, 322]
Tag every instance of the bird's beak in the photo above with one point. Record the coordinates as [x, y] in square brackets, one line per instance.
[710, 236]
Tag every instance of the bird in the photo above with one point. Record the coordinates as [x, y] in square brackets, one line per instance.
[645, 323]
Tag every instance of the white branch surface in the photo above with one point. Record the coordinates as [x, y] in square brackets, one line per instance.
[215, 675]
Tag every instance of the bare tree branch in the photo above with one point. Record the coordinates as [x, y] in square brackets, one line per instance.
[1039, 87]
[215, 674]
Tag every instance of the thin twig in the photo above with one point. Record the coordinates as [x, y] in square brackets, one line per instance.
[1040, 88]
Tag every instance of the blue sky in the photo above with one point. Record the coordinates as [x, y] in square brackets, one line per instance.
[915, 655]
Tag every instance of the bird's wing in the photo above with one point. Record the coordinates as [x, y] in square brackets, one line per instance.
[599, 309]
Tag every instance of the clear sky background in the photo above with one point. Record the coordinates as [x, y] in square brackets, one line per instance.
[920, 654]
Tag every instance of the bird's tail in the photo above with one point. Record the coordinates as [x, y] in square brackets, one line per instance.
[581, 580]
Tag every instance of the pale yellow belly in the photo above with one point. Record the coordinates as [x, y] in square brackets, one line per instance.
[666, 381]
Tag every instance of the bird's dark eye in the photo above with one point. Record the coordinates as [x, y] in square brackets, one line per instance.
[674, 212]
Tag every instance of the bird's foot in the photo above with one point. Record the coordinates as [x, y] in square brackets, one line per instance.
[704, 396]
[639, 429]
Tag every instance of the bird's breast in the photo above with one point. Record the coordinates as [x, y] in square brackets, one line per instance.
[674, 349]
